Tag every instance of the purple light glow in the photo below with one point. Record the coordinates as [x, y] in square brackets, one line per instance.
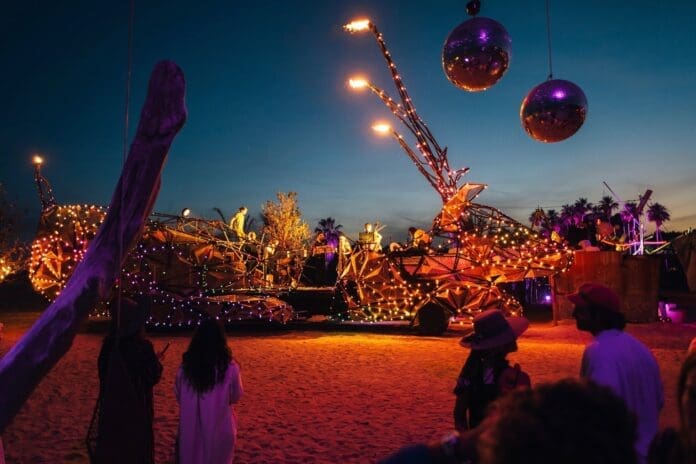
[553, 110]
[476, 54]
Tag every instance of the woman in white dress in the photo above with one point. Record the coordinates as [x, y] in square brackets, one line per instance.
[208, 383]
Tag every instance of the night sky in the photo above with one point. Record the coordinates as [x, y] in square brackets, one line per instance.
[269, 109]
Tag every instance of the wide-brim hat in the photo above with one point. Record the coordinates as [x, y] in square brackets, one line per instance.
[597, 295]
[492, 329]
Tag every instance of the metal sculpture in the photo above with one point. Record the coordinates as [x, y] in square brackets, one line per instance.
[480, 247]
[187, 267]
[190, 269]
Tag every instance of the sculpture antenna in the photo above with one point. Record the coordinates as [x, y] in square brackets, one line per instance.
[433, 156]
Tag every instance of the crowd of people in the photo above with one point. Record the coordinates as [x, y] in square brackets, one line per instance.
[325, 257]
[608, 415]
[591, 232]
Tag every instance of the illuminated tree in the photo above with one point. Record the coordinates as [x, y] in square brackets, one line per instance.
[332, 232]
[282, 221]
[658, 214]
[13, 253]
[330, 229]
[629, 212]
[629, 216]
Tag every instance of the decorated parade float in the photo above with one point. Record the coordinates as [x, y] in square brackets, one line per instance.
[185, 268]
[456, 268]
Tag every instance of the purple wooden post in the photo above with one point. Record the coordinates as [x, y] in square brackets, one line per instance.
[51, 336]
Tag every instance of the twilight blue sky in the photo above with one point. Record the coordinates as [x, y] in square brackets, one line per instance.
[269, 109]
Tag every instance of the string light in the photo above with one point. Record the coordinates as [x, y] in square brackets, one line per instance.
[180, 264]
[60, 244]
[484, 246]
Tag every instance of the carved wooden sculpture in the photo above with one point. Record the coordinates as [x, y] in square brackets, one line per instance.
[162, 116]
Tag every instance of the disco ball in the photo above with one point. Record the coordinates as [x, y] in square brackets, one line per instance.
[476, 54]
[553, 111]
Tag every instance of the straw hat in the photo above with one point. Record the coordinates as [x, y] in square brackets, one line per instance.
[493, 329]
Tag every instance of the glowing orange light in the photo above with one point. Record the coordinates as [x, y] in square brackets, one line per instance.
[357, 83]
[357, 25]
[37, 160]
[381, 128]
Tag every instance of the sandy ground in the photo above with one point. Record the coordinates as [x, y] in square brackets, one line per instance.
[311, 397]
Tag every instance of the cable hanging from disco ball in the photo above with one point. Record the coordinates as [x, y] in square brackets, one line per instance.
[477, 53]
[553, 110]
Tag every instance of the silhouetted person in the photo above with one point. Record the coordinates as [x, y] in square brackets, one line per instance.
[128, 370]
[487, 373]
[576, 233]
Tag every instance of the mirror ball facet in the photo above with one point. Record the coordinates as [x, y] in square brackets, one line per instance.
[476, 54]
[553, 111]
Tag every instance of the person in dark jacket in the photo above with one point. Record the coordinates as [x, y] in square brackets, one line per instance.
[487, 372]
[129, 368]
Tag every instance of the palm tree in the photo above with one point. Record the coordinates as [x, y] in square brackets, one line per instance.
[552, 218]
[330, 229]
[537, 218]
[580, 208]
[629, 212]
[658, 214]
[597, 211]
[332, 232]
[607, 206]
[566, 214]
[629, 216]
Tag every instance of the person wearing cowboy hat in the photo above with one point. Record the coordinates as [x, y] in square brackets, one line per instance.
[487, 374]
[617, 360]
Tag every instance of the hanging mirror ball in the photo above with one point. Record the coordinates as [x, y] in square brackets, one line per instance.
[476, 54]
[553, 111]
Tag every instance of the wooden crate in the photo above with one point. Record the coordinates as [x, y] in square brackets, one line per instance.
[634, 278]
